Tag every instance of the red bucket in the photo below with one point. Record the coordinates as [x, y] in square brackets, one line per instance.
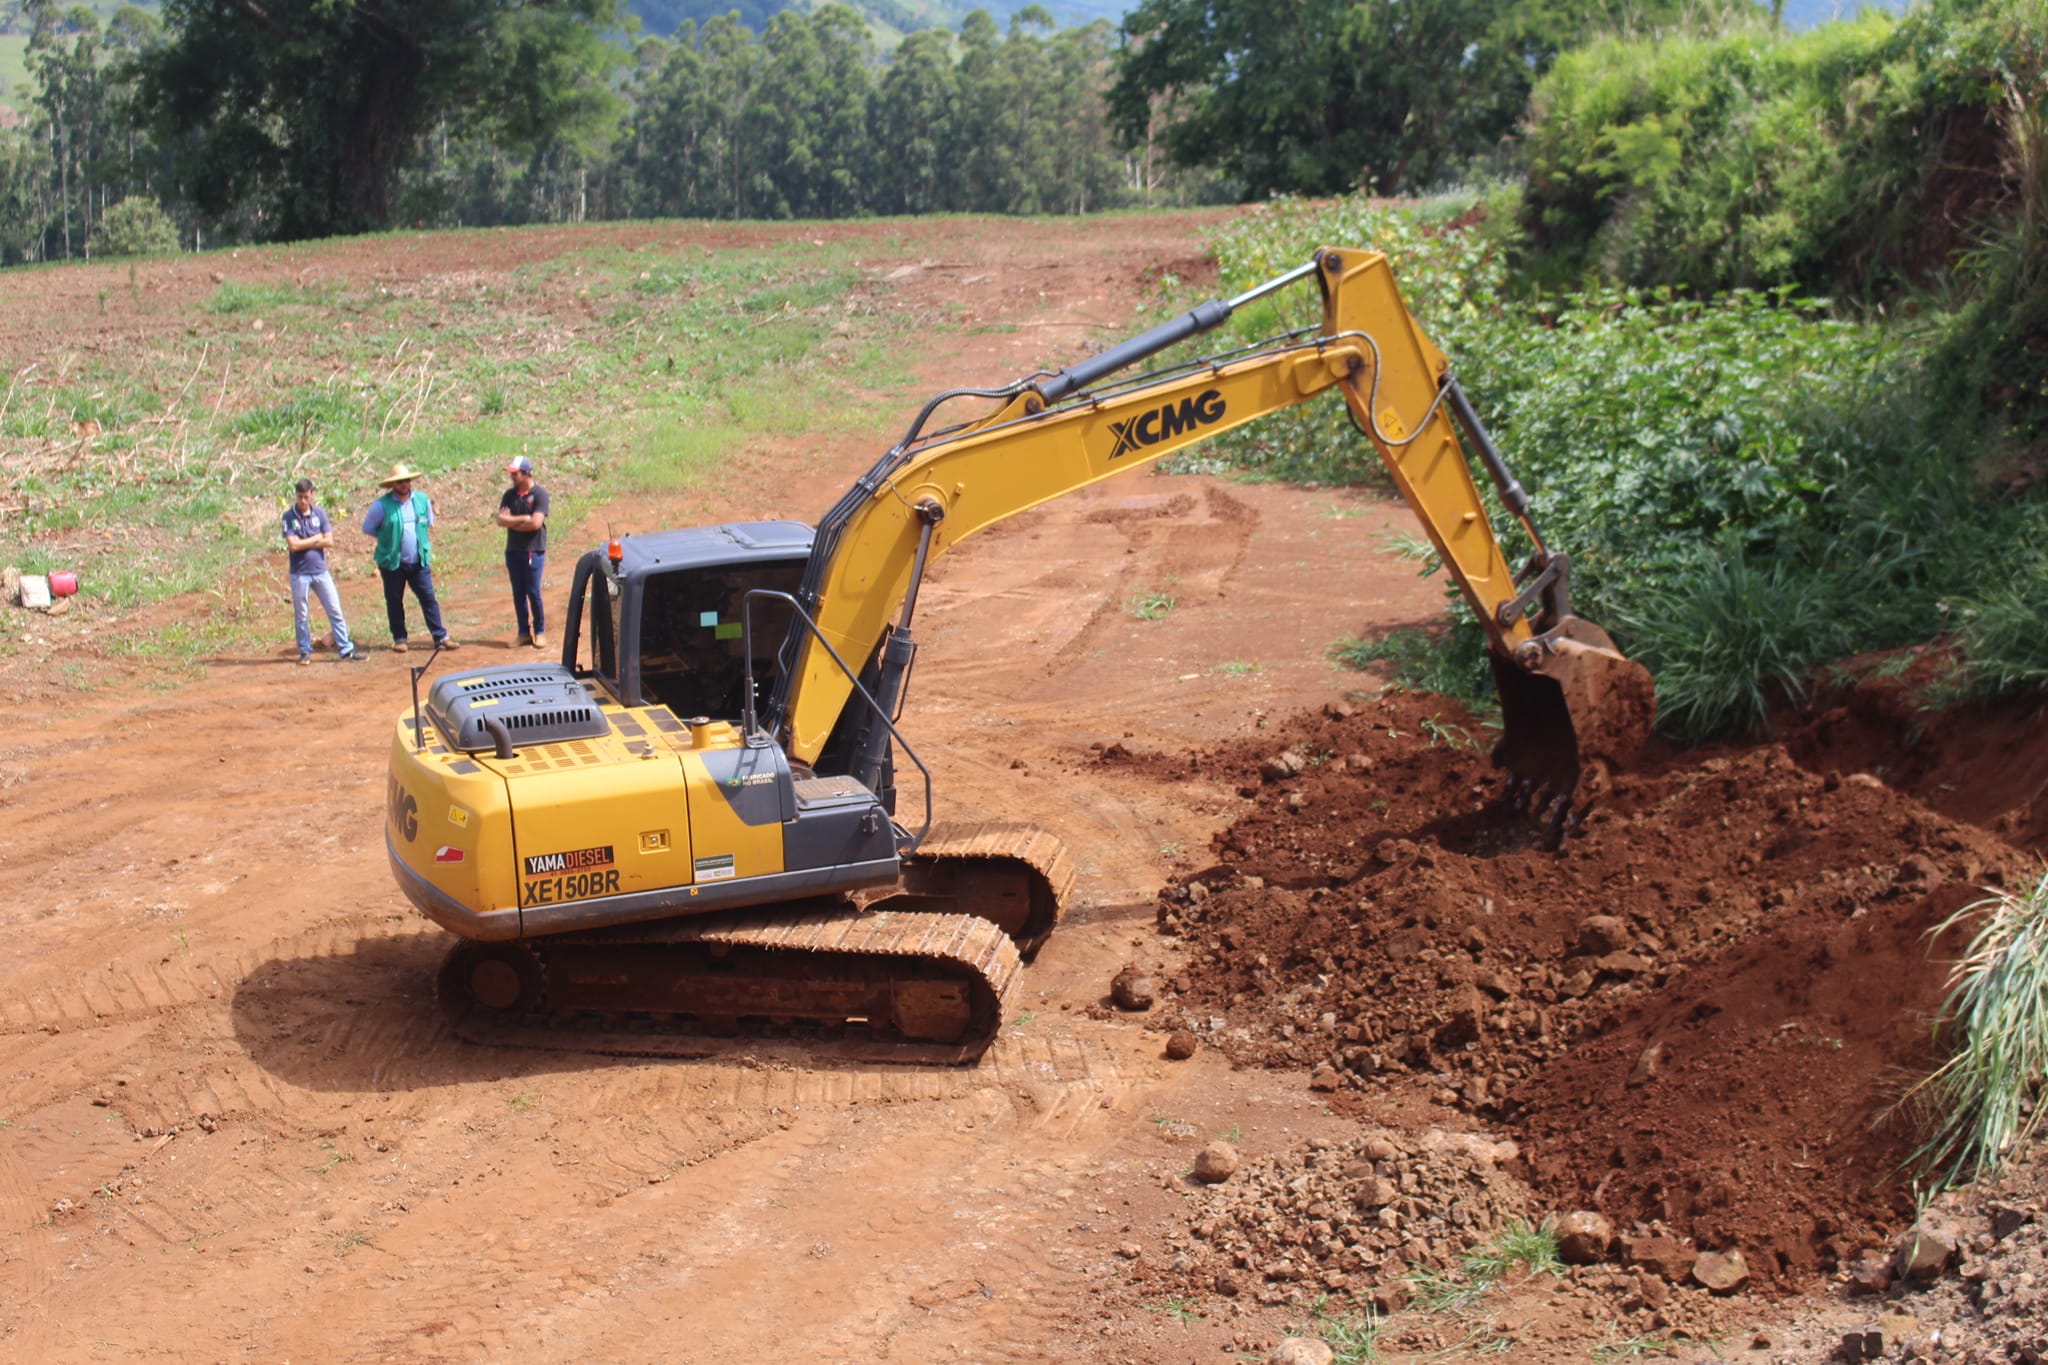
[63, 583]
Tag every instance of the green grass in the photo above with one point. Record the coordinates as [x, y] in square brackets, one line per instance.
[1352, 1335]
[202, 427]
[1531, 1247]
[1451, 663]
[14, 81]
[1994, 1022]
[231, 299]
[1150, 606]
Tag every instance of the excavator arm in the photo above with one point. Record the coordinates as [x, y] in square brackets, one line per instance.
[1567, 695]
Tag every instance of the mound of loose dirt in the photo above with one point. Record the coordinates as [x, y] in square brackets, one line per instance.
[1696, 1018]
[1340, 1216]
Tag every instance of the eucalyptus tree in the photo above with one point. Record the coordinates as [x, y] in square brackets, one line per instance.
[301, 114]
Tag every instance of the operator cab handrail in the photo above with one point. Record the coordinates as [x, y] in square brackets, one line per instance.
[750, 725]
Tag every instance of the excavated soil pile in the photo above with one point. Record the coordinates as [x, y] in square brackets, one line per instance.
[1695, 1019]
[1338, 1215]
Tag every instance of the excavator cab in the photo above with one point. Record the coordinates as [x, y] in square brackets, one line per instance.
[667, 619]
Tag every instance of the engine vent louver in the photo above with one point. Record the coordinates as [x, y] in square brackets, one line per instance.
[537, 705]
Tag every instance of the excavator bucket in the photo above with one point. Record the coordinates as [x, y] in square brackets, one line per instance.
[1573, 708]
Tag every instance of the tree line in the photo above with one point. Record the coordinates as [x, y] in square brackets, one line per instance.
[304, 118]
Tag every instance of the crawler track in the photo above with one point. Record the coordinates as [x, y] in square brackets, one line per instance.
[1016, 875]
[885, 984]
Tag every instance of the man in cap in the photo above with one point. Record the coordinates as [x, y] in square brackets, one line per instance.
[523, 512]
[309, 535]
[399, 520]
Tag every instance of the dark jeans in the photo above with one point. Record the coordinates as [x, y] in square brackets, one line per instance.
[421, 580]
[524, 568]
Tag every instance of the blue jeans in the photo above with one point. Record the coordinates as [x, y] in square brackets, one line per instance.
[420, 579]
[304, 588]
[524, 568]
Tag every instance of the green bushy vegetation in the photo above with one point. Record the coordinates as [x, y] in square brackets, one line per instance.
[1749, 485]
[137, 227]
[1891, 162]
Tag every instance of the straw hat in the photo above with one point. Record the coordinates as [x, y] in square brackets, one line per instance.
[400, 473]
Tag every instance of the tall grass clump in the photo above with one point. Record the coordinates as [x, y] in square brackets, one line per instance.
[1731, 636]
[1995, 1018]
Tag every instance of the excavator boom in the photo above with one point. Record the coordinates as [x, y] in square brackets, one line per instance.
[1569, 698]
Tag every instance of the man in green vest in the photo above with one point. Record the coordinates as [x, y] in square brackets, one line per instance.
[399, 520]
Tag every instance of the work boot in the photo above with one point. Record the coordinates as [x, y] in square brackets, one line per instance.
[446, 642]
[524, 638]
[305, 659]
[540, 642]
[354, 656]
[398, 646]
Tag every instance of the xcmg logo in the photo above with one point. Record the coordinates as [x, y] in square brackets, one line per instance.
[1166, 422]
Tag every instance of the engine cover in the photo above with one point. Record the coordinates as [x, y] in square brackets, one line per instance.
[537, 704]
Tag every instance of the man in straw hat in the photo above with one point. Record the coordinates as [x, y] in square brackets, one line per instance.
[399, 520]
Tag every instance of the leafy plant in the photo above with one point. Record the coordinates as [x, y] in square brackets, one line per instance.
[1150, 606]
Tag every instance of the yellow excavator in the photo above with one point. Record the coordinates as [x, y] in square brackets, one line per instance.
[699, 834]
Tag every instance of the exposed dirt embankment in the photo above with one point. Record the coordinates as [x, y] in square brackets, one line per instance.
[1697, 1019]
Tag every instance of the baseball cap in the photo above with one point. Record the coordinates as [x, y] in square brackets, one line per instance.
[520, 465]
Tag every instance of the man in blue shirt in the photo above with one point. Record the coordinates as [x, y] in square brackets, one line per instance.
[399, 520]
[309, 535]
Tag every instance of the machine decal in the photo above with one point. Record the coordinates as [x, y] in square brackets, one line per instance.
[458, 817]
[448, 853]
[1166, 421]
[716, 868]
[403, 809]
[574, 887]
[573, 860]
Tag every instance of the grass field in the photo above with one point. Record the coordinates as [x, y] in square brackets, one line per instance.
[154, 467]
[15, 89]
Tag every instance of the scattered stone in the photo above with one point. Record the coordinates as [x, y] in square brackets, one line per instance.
[1664, 1256]
[1583, 1237]
[1600, 935]
[1324, 1078]
[1860, 1346]
[1215, 1163]
[1227, 1283]
[1181, 1045]
[1721, 1272]
[1282, 766]
[1134, 989]
[1130, 1251]
[1649, 1065]
[1918, 869]
[2006, 1220]
[1300, 1351]
[1870, 1274]
[1928, 1247]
